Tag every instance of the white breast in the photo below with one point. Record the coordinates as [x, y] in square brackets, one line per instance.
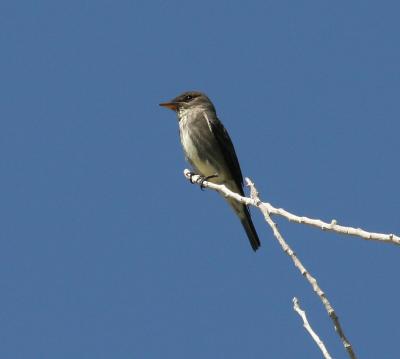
[187, 143]
[191, 152]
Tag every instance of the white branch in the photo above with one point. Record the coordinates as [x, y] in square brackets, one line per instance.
[305, 273]
[332, 226]
[307, 326]
[255, 201]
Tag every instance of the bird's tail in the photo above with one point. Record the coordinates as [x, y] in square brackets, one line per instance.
[243, 213]
[248, 226]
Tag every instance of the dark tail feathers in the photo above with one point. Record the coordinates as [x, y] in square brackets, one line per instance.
[250, 230]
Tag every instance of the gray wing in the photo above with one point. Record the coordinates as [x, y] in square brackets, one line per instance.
[226, 146]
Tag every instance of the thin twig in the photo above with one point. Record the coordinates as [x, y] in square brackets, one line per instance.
[307, 326]
[332, 226]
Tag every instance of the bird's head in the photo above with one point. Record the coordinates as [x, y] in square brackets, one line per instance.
[189, 100]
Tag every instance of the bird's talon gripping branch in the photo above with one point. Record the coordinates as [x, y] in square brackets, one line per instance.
[191, 174]
[201, 182]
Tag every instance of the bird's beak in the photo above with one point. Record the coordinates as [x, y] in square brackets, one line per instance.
[171, 105]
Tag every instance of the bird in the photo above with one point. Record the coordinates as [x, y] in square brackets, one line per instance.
[209, 150]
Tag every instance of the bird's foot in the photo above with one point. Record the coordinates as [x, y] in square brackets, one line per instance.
[191, 174]
[201, 181]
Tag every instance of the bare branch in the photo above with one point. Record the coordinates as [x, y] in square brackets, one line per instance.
[307, 326]
[255, 201]
[332, 226]
[305, 273]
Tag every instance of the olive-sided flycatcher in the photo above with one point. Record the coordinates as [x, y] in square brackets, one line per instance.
[209, 149]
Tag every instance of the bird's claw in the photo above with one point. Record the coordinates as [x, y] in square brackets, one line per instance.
[201, 180]
[191, 174]
[206, 178]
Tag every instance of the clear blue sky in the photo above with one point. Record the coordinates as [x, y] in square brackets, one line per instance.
[107, 251]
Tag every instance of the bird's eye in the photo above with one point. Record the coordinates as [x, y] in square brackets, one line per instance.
[188, 98]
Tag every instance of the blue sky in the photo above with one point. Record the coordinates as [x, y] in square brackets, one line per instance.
[107, 251]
